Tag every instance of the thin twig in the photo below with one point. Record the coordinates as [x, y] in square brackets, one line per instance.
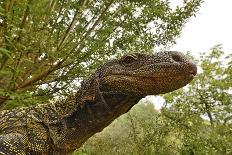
[94, 25]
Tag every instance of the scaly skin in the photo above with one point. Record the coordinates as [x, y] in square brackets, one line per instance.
[61, 127]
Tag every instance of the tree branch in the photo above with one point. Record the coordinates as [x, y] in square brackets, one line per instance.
[66, 35]
[70, 28]
[40, 76]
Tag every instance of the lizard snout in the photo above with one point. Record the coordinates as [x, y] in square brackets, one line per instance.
[193, 70]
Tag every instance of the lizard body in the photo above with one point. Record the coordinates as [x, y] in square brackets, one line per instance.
[61, 127]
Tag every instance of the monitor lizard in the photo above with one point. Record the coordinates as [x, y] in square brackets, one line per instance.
[59, 128]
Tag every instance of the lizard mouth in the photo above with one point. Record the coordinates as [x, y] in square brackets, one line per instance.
[149, 84]
[193, 71]
[190, 74]
[150, 80]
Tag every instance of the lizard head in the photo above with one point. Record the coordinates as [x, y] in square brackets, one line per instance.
[141, 74]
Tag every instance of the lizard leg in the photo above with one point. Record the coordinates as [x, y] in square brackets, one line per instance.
[12, 144]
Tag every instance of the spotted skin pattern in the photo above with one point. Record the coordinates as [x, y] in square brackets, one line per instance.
[61, 127]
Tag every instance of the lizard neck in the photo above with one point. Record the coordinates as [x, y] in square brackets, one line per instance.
[93, 117]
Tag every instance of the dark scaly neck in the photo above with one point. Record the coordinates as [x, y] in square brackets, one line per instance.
[91, 117]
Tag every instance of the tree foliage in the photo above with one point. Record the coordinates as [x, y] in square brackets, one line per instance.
[205, 107]
[196, 120]
[46, 45]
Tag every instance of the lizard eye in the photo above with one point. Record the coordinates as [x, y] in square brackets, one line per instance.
[176, 58]
[129, 59]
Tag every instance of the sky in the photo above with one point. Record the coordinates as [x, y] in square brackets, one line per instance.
[211, 26]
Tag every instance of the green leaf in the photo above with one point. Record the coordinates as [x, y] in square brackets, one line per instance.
[5, 52]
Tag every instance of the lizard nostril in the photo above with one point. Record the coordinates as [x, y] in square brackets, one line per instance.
[177, 58]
